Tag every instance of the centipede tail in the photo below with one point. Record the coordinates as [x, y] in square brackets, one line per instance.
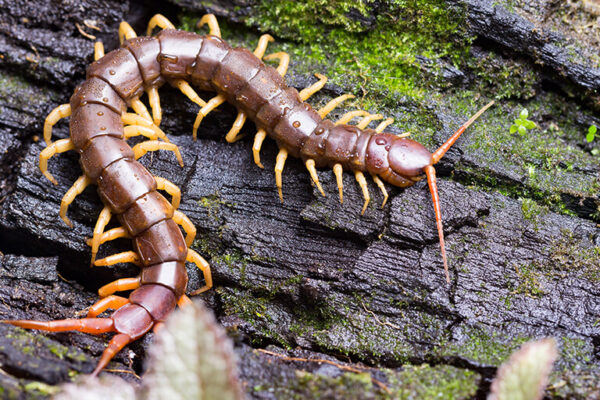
[98, 112]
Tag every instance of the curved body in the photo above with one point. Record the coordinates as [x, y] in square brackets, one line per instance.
[115, 81]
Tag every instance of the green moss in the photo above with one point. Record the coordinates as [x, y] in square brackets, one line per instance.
[40, 389]
[379, 55]
[433, 382]
[529, 281]
[483, 347]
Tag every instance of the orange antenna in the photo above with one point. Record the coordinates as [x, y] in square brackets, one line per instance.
[439, 153]
[430, 172]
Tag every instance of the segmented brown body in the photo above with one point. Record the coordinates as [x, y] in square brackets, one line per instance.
[129, 190]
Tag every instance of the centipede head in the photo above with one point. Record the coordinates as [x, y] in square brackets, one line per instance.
[402, 162]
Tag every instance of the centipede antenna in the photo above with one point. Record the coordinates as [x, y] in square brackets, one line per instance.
[439, 153]
[430, 172]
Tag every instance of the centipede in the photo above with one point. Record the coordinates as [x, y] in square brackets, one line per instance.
[101, 122]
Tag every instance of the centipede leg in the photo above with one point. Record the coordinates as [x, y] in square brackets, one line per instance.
[140, 109]
[60, 146]
[154, 100]
[259, 52]
[187, 90]
[314, 88]
[110, 302]
[187, 225]
[94, 326]
[201, 263]
[120, 285]
[153, 145]
[280, 162]
[184, 301]
[284, 61]
[333, 104]
[79, 186]
[60, 112]
[337, 171]
[124, 257]
[211, 105]
[138, 130]
[158, 20]
[98, 50]
[116, 344]
[367, 120]
[384, 124]
[381, 187]
[349, 116]
[171, 189]
[213, 25]
[362, 182]
[310, 166]
[103, 220]
[125, 32]
[114, 233]
[134, 119]
[261, 134]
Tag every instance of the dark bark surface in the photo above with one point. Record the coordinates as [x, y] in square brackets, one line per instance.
[309, 278]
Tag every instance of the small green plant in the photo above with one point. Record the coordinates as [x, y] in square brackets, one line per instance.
[591, 135]
[522, 124]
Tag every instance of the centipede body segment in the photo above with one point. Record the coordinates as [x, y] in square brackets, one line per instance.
[100, 124]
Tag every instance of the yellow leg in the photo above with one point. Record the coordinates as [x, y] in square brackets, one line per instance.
[261, 134]
[263, 42]
[158, 20]
[382, 188]
[349, 116]
[103, 220]
[60, 112]
[367, 120]
[125, 32]
[110, 302]
[284, 61]
[153, 145]
[405, 134]
[384, 124]
[187, 225]
[232, 135]
[211, 105]
[79, 186]
[140, 109]
[213, 25]
[154, 101]
[171, 188]
[333, 104]
[360, 178]
[60, 146]
[98, 51]
[258, 141]
[184, 301]
[189, 91]
[137, 130]
[310, 166]
[120, 285]
[134, 119]
[314, 88]
[337, 170]
[112, 234]
[201, 263]
[124, 257]
[280, 162]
